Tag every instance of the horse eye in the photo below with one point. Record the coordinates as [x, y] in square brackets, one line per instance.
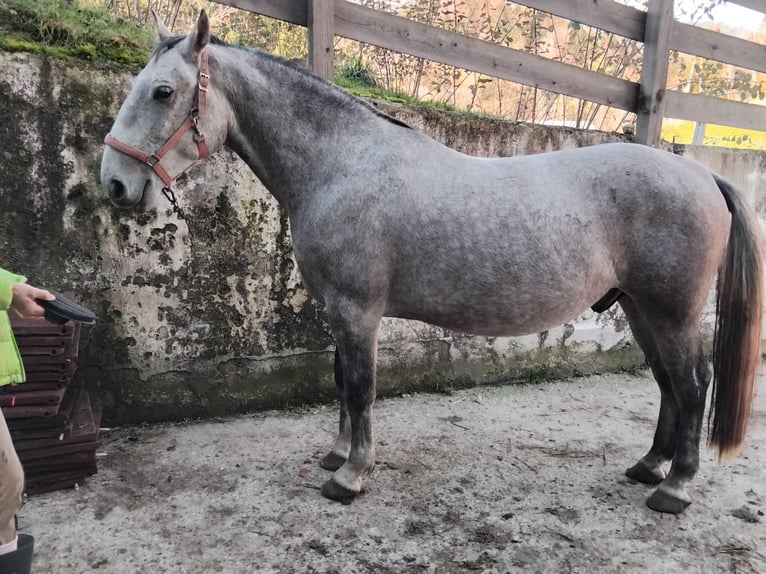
[163, 93]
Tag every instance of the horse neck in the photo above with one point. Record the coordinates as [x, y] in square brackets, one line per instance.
[292, 129]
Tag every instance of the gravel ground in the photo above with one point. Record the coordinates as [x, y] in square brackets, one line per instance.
[503, 479]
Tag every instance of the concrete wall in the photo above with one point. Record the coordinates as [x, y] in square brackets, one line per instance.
[208, 316]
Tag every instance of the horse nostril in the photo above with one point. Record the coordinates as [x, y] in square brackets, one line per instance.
[117, 189]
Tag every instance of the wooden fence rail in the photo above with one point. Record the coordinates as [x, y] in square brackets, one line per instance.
[649, 98]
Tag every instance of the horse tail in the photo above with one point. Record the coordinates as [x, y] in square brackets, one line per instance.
[737, 339]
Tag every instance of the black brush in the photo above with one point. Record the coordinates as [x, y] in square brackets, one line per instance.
[61, 310]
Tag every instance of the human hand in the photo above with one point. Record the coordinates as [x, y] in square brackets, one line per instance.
[24, 296]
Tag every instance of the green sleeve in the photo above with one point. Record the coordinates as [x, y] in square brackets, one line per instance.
[7, 279]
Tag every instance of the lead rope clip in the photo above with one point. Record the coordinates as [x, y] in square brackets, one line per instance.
[171, 197]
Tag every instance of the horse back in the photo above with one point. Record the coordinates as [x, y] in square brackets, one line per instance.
[510, 245]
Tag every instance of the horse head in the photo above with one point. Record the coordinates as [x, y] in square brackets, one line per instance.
[169, 121]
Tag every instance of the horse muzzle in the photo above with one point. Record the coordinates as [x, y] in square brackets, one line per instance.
[120, 195]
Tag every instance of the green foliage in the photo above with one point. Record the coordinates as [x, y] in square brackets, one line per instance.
[358, 77]
[121, 31]
[71, 28]
[699, 75]
[229, 24]
[356, 72]
[366, 91]
[14, 44]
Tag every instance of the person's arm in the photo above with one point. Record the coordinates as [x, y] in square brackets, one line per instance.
[18, 296]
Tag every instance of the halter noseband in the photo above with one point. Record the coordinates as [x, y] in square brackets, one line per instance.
[153, 160]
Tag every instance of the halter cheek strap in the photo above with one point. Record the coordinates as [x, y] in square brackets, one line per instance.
[153, 160]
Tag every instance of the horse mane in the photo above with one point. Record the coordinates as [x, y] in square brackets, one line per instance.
[311, 77]
[308, 75]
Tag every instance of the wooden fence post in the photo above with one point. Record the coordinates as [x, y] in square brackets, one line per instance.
[654, 74]
[321, 15]
[699, 133]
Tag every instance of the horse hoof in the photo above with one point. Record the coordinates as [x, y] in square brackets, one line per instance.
[332, 461]
[335, 491]
[645, 475]
[671, 503]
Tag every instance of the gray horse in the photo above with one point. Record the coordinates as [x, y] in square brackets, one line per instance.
[387, 222]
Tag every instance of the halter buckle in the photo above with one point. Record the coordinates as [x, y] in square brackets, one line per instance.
[152, 160]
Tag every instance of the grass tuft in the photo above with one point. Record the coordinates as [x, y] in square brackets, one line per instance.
[70, 28]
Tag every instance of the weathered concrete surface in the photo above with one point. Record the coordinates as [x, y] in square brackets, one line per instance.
[208, 316]
[506, 479]
[745, 169]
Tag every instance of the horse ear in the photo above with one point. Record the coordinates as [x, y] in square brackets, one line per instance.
[200, 34]
[160, 30]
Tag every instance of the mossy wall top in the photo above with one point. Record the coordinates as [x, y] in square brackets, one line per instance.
[208, 315]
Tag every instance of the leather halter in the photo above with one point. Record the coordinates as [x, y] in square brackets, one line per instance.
[153, 160]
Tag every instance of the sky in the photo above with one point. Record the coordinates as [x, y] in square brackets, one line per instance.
[729, 14]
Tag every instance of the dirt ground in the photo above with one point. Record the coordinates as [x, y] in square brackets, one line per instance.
[503, 479]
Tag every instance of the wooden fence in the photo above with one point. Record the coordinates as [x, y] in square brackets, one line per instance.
[648, 99]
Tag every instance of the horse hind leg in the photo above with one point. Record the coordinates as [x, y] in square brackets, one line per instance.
[676, 336]
[342, 445]
[690, 376]
[650, 469]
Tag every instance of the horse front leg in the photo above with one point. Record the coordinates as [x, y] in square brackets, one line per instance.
[356, 332]
[342, 445]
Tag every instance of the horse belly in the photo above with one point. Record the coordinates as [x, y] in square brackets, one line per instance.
[501, 309]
